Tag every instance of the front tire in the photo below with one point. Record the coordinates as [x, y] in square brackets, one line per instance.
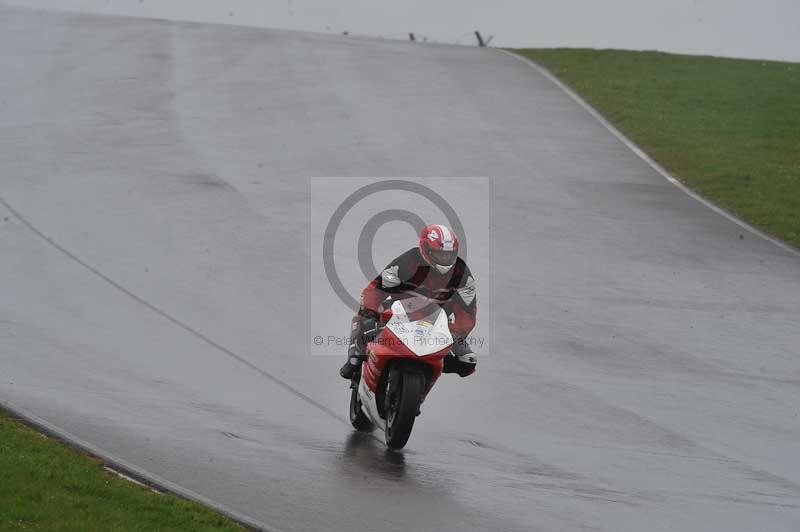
[358, 419]
[403, 408]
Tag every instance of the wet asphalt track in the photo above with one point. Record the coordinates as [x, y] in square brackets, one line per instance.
[646, 375]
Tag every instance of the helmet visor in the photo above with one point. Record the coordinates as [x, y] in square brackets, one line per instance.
[443, 258]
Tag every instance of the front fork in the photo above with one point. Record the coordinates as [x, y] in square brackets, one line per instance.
[391, 387]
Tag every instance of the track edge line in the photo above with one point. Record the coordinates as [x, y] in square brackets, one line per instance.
[121, 465]
[645, 157]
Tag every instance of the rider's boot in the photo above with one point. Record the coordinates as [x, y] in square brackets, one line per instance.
[362, 330]
[352, 365]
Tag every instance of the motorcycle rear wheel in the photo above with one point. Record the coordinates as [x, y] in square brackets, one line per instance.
[403, 408]
[358, 419]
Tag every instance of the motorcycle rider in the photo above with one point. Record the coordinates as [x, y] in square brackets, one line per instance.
[435, 270]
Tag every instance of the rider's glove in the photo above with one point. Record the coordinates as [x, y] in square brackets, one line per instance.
[462, 359]
[463, 364]
[467, 363]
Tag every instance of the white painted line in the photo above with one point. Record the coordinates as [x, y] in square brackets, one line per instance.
[646, 158]
[132, 480]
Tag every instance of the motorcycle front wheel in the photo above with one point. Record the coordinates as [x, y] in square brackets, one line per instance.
[403, 408]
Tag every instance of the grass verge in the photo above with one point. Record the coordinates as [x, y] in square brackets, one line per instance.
[45, 485]
[727, 128]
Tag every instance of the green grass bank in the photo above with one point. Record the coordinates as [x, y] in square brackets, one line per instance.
[727, 128]
[47, 486]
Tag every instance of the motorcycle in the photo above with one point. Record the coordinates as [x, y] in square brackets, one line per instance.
[401, 364]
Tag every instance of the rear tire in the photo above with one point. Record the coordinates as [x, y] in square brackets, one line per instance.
[403, 408]
[358, 419]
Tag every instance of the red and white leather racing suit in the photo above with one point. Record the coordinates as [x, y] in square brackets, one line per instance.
[455, 290]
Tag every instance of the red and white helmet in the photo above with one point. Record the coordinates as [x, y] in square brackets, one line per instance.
[439, 247]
